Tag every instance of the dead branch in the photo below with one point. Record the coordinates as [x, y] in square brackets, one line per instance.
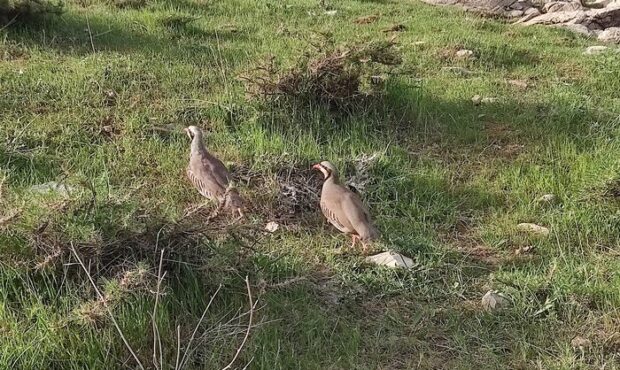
[247, 333]
[105, 304]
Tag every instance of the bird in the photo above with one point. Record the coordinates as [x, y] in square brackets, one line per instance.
[344, 209]
[209, 175]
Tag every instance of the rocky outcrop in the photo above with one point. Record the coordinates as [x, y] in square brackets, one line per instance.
[600, 18]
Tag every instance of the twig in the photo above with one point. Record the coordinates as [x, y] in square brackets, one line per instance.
[176, 364]
[247, 333]
[189, 344]
[105, 304]
[156, 337]
[10, 22]
[90, 34]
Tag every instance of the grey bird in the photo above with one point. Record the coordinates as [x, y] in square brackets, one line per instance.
[344, 209]
[210, 176]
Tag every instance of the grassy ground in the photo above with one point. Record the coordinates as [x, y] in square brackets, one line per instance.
[451, 182]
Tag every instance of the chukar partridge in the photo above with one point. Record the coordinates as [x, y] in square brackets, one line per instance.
[210, 176]
[344, 209]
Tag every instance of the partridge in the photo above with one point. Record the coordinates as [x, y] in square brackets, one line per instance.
[344, 209]
[210, 176]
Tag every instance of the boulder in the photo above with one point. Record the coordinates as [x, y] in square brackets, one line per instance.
[561, 6]
[593, 50]
[611, 34]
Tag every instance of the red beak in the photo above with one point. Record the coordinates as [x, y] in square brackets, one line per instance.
[316, 166]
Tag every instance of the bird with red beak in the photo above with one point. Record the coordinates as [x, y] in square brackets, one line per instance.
[344, 209]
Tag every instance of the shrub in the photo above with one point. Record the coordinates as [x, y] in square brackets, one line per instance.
[335, 76]
[12, 10]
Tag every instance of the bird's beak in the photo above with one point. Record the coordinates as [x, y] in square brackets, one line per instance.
[189, 134]
[316, 166]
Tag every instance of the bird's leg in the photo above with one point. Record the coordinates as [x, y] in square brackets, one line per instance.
[354, 239]
[216, 211]
[365, 248]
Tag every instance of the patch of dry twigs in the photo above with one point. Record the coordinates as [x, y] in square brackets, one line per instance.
[337, 76]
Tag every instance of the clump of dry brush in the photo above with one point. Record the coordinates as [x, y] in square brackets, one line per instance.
[336, 76]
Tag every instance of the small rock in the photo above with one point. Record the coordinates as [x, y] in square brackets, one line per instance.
[52, 187]
[418, 43]
[611, 34]
[524, 250]
[458, 70]
[331, 12]
[391, 259]
[489, 100]
[272, 226]
[533, 229]
[520, 5]
[580, 343]
[518, 83]
[593, 50]
[477, 100]
[493, 300]
[547, 198]
[514, 13]
[464, 53]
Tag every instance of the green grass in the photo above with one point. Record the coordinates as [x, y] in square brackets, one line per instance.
[451, 183]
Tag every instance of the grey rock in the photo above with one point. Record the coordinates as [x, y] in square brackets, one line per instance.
[594, 50]
[492, 300]
[391, 259]
[611, 34]
[561, 6]
[52, 187]
[464, 53]
[533, 229]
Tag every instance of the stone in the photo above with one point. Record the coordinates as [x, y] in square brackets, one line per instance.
[611, 34]
[521, 5]
[52, 187]
[514, 13]
[593, 50]
[476, 99]
[578, 28]
[272, 226]
[557, 18]
[464, 53]
[561, 6]
[391, 259]
[492, 300]
[547, 198]
[529, 14]
[331, 12]
[533, 229]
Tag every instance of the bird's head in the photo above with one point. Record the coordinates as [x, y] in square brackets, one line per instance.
[326, 168]
[193, 132]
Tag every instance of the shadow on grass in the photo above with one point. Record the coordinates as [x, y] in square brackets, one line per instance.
[78, 34]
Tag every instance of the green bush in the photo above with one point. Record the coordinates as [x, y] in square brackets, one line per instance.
[11, 10]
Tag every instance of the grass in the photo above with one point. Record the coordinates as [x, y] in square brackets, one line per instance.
[450, 185]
